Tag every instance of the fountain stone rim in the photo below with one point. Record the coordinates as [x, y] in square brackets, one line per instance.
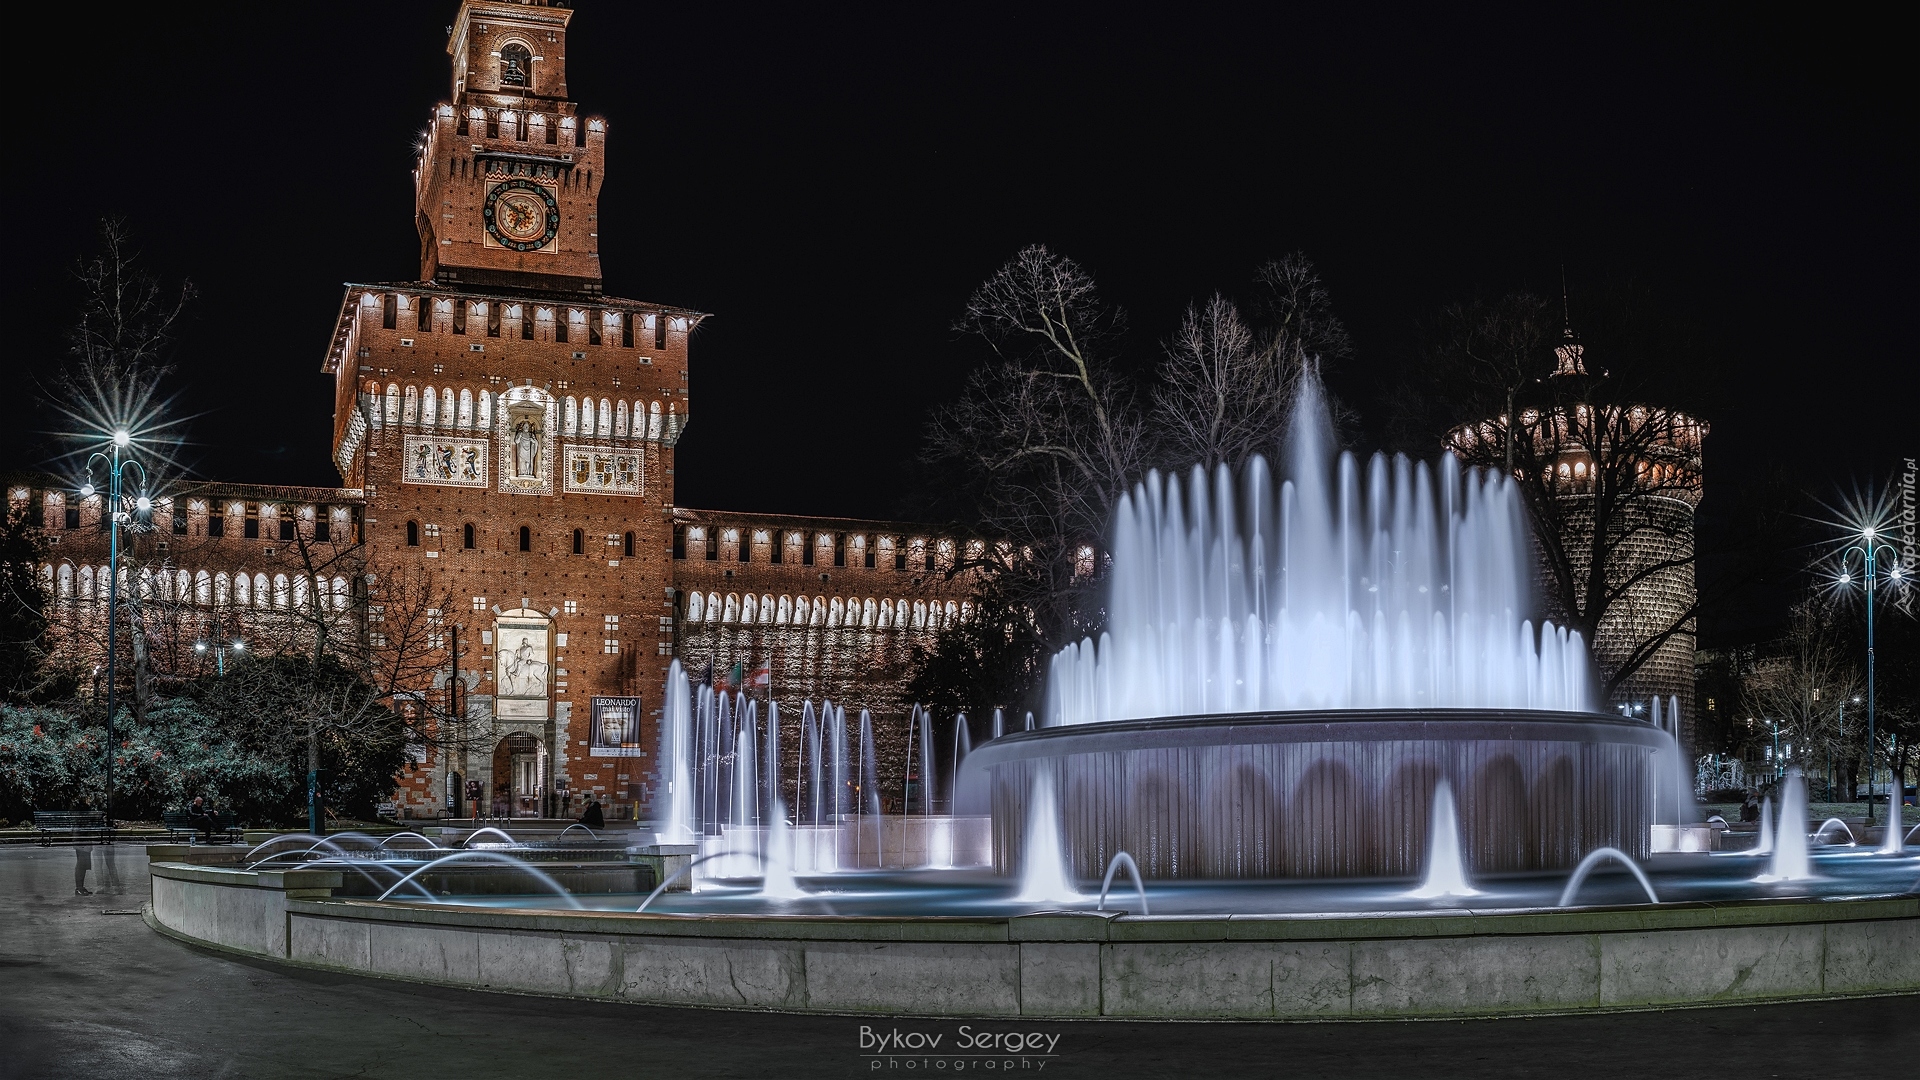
[1298, 726]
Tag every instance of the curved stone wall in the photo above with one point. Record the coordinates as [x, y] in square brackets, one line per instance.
[1073, 964]
[1322, 794]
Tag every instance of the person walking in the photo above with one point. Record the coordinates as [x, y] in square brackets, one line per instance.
[82, 862]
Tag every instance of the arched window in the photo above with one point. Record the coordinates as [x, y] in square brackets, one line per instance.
[919, 615]
[604, 425]
[629, 546]
[579, 541]
[766, 608]
[653, 421]
[620, 420]
[446, 407]
[300, 591]
[280, 590]
[696, 607]
[466, 408]
[835, 613]
[411, 415]
[748, 609]
[713, 607]
[222, 590]
[570, 416]
[466, 536]
[242, 591]
[85, 590]
[429, 408]
[393, 403]
[866, 612]
[339, 594]
[731, 613]
[65, 575]
[182, 586]
[413, 534]
[516, 65]
[785, 613]
[526, 538]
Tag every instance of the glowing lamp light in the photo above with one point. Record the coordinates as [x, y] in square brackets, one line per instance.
[1846, 579]
[199, 646]
[239, 646]
[86, 490]
[121, 438]
[143, 503]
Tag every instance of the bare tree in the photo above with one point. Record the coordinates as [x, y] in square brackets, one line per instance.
[1808, 688]
[1226, 385]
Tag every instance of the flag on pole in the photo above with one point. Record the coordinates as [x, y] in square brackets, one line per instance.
[762, 675]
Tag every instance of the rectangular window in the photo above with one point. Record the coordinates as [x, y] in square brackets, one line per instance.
[713, 545]
[286, 528]
[593, 327]
[560, 324]
[459, 316]
[680, 542]
[389, 313]
[612, 624]
[72, 517]
[666, 624]
[611, 647]
[493, 125]
[840, 551]
[179, 521]
[526, 324]
[323, 530]
[251, 529]
[659, 331]
[423, 311]
[666, 648]
[626, 330]
[869, 561]
[479, 603]
[216, 524]
[571, 607]
[806, 553]
[493, 320]
[774, 553]
[433, 531]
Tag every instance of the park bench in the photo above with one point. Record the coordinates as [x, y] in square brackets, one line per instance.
[226, 826]
[72, 824]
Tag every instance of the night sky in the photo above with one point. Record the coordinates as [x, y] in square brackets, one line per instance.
[832, 184]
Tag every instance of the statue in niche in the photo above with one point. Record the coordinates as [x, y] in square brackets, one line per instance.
[526, 449]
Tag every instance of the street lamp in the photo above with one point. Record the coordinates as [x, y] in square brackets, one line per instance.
[1870, 549]
[117, 515]
[220, 652]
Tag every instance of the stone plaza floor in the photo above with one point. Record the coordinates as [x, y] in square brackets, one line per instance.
[87, 990]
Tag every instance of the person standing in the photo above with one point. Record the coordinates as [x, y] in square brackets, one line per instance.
[82, 862]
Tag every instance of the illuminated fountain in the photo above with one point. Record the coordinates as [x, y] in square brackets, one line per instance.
[1293, 669]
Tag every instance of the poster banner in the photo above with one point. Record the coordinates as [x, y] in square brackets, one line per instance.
[1905, 523]
[616, 727]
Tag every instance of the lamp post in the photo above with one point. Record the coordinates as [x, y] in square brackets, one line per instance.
[220, 652]
[1869, 549]
[116, 516]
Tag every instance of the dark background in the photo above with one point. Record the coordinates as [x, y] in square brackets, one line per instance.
[832, 183]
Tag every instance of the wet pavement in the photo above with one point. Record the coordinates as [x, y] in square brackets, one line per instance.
[87, 990]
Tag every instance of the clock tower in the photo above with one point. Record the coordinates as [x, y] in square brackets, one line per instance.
[507, 186]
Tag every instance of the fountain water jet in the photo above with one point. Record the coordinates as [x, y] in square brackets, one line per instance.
[1594, 859]
[1790, 862]
[1893, 842]
[1121, 858]
[1446, 871]
[1044, 877]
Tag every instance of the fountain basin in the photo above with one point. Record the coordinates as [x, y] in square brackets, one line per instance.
[1066, 964]
[1329, 794]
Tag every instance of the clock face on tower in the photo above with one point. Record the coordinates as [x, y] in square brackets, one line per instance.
[522, 215]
